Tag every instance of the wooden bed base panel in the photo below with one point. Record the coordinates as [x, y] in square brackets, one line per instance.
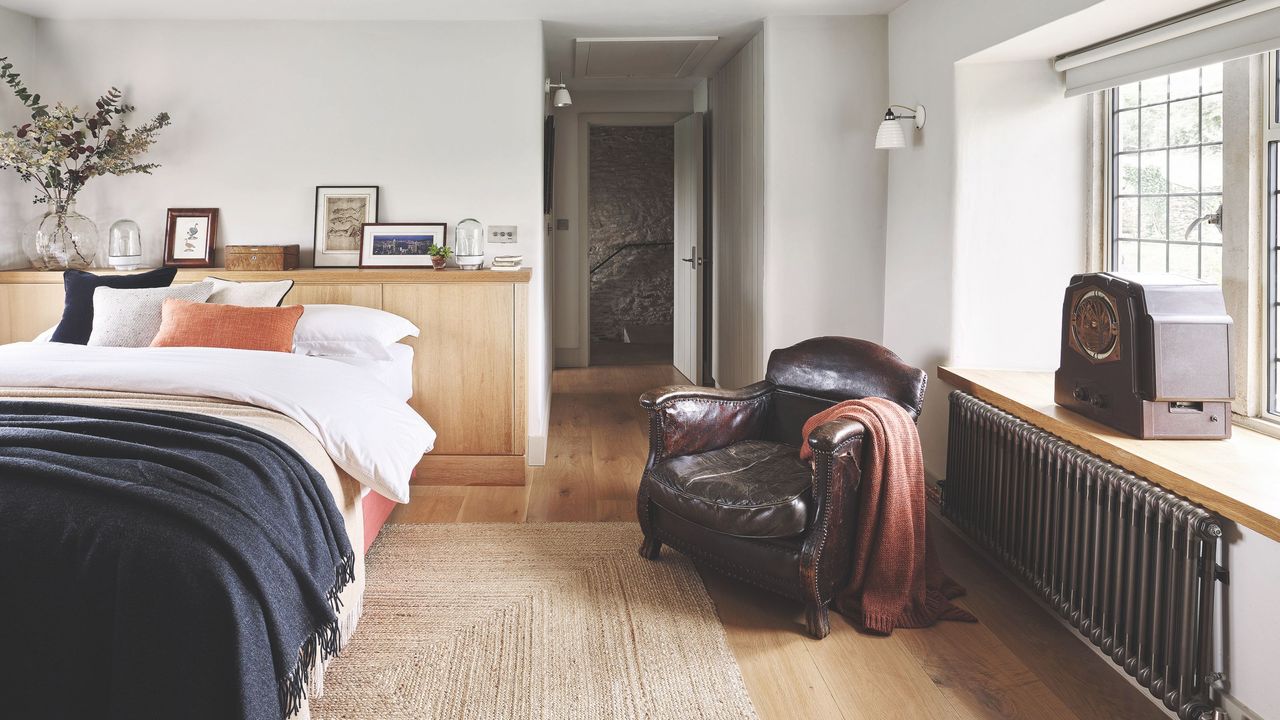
[470, 470]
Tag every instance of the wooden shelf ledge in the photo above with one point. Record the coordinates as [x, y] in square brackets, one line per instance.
[1237, 478]
[346, 276]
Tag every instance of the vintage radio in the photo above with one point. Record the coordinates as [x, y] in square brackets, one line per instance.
[1149, 355]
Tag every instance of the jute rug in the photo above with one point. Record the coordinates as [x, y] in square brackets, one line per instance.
[559, 620]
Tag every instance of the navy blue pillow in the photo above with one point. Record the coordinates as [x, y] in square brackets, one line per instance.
[77, 312]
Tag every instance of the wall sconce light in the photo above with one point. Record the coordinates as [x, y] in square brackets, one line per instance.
[561, 99]
[890, 135]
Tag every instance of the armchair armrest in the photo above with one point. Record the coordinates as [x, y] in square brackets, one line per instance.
[686, 419]
[826, 557]
[830, 436]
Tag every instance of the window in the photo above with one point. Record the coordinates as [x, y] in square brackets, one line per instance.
[1179, 147]
[1166, 174]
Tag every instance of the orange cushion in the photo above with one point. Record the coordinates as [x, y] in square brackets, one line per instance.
[190, 324]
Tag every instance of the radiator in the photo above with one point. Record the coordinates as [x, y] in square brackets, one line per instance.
[1127, 563]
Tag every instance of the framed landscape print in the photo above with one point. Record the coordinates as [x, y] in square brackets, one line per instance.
[399, 245]
[341, 210]
[189, 237]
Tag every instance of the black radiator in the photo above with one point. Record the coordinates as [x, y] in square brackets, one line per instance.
[1131, 565]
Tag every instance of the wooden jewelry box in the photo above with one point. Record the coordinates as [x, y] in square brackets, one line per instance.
[261, 257]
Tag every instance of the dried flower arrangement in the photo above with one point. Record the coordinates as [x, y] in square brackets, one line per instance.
[61, 148]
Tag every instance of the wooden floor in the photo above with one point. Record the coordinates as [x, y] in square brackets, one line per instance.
[620, 353]
[1018, 662]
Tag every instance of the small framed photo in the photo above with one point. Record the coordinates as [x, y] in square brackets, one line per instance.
[189, 237]
[341, 210]
[399, 245]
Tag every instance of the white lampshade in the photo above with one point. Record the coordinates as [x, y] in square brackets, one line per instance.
[890, 136]
[561, 98]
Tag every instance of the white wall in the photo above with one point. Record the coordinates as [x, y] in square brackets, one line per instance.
[568, 289]
[1021, 212]
[445, 117]
[17, 40]
[826, 87]
[926, 39]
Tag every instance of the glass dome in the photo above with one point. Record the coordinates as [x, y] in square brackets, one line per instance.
[468, 244]
[124, 246]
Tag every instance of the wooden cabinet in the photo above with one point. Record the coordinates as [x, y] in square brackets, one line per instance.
[26, 310]
[469, 375]
[467, 364]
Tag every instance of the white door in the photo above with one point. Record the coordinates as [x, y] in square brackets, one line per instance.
[687, 343]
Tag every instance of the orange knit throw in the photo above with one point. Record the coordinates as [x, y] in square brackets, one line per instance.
[896, 581]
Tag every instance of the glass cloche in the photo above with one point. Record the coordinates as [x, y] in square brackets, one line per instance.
[124, 245]
[468, 244]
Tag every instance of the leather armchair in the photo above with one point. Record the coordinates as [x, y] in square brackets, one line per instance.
[724, 483]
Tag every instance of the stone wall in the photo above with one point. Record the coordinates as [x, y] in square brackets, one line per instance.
[631, 201]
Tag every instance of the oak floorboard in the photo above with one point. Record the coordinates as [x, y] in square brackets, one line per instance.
[1059, 659]
[494, 504]
[425, 507]
[767, 638]
[1018, 662]
[979, 675]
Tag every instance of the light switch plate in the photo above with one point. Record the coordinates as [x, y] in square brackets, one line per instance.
[502, 233]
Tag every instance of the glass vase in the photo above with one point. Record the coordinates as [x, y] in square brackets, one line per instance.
[61, 238]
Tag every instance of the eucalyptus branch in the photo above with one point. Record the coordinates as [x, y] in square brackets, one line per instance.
[29, 99]
[61, 148]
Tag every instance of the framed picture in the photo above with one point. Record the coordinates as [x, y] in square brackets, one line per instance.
[340, 212]
[189, 236]
[399, 245]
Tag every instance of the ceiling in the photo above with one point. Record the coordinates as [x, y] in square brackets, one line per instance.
[733, 22]
[618, 12]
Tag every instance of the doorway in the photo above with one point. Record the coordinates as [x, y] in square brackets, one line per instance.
[643, 256]
[630, 243]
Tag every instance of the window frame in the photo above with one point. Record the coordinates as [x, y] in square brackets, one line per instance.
[1250, 242]
[1269, 404]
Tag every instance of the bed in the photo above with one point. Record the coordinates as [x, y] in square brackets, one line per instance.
[326, 431]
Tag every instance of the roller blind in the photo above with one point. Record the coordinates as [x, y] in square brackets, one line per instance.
[1232, 30]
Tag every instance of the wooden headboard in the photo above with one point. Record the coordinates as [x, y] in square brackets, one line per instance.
[470, 373]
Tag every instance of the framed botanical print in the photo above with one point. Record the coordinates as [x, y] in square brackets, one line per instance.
[399, 245]
[189, 236]
[341, 210]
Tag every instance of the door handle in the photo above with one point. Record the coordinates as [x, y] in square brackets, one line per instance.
[693, 259]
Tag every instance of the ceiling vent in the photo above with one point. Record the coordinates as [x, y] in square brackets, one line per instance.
[647, 58]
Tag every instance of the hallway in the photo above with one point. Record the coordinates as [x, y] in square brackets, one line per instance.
[1018, 662]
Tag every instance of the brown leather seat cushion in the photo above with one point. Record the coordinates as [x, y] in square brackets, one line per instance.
[754, 488]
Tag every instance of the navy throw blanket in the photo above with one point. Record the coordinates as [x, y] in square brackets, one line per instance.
[160, 565]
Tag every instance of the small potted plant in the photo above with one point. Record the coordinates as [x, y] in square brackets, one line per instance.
[439, 256]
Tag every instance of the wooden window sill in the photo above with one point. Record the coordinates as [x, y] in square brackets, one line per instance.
[1237, 478]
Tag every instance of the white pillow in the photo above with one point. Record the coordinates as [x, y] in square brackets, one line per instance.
[349, 331]
[249, 294]
[131, 318]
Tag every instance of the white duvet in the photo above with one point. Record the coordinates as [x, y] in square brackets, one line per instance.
[368, 432]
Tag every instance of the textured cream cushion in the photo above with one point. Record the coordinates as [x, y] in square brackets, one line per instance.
[131, 318]
[249, 294]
